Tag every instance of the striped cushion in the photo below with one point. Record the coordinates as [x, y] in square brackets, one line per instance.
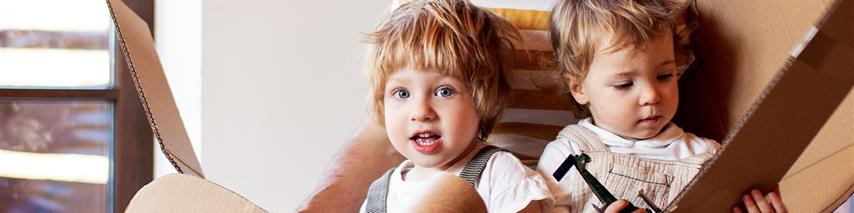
[536, 113]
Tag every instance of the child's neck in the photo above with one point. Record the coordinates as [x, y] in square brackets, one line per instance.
[454, 166]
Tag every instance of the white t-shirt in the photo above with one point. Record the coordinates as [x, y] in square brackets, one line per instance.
[506, 185]
[672, 144]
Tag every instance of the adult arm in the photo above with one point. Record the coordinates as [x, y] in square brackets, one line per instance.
[357, 164]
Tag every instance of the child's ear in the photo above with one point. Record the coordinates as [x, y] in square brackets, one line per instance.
[576, 88]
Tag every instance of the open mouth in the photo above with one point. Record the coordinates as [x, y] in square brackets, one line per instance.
[426, 142]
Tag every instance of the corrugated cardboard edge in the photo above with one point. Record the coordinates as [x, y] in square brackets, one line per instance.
[839, 200]
[187, 193]
[153, 89]
[793, 63]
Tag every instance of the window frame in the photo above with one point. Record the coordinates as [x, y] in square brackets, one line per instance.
[132, 159]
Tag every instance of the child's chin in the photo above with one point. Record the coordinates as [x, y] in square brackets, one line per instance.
[643, 135]
[427, 163]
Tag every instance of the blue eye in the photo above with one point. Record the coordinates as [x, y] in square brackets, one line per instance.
[623, 86]
[445, 92]
[401, 94]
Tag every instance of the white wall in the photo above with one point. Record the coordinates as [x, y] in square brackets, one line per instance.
[282, 90]
[178, 34]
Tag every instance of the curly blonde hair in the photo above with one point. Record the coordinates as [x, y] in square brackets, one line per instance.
[453, 37]
[577, 28]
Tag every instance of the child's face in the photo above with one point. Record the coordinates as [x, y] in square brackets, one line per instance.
[430, 118]
[631, 92]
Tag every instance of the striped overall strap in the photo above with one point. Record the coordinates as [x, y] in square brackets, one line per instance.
[378, 194]
[474, 169]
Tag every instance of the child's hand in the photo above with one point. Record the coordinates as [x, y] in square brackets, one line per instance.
[753, 201]
[618, 206]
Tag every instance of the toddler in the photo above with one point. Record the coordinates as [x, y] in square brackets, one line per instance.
[618, 61]
[438, 87]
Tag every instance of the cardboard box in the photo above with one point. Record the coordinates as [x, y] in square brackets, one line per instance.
[776, 80]
[188, 191]
[774, 88]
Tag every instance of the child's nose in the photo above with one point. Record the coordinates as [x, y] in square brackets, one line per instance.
[649, 96]
[422, 111]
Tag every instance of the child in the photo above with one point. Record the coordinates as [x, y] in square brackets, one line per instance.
[618, 63]
[438, 87]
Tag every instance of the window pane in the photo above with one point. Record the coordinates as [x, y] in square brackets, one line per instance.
[56, 156]
[55, 44]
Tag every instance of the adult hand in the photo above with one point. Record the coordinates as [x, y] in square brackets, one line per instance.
[449, 193]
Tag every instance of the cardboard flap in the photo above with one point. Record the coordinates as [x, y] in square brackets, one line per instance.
[788, 113]
[743, 45]
[138, 46]
[823, 177]
[186, 193]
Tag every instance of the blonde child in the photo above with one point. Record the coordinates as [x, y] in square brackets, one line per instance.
[438, 87]
[617, 58]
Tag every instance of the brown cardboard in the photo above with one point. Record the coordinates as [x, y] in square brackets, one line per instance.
[138, 45]
[774, 89]
[775, 99]
[187, 193]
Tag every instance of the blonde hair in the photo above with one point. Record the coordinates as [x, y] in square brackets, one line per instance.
[453, 37]
[579, 27]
